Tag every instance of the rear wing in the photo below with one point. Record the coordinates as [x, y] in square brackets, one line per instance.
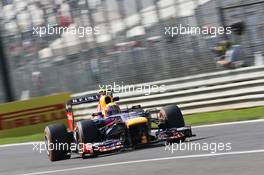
[81, 100]
[77, 101]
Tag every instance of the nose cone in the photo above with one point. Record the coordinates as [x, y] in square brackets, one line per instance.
[136, 121]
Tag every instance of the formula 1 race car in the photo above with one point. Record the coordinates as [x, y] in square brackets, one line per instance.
[114, 129]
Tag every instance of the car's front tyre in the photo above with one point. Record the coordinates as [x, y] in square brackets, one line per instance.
[172, 117]
[87, 132]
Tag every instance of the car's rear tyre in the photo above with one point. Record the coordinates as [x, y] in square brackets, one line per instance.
[87, 133]
[172, 116]
[56, 140]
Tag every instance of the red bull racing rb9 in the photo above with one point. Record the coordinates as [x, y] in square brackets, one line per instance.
[112, 129]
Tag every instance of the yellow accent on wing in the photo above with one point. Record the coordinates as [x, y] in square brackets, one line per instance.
[136, 121]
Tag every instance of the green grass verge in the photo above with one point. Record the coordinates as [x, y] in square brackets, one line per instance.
[225, 116]
[21, 139]
[26, 133]
[194, 119]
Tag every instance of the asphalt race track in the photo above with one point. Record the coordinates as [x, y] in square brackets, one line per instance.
[245, 157]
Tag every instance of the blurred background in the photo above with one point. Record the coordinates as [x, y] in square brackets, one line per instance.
[131, 47]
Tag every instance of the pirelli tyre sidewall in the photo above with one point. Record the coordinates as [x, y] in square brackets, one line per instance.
[172, 116]
[56, 140]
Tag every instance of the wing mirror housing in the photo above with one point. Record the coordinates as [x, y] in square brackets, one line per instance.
[116, 99]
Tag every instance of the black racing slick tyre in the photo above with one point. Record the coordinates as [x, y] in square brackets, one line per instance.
[87, 132]
[56, 140]
[172, 116]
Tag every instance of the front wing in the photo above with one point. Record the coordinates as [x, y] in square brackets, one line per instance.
[175, 134]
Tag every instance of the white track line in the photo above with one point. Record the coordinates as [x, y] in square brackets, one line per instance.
[19, 144]
[146, 160]
[201, 126]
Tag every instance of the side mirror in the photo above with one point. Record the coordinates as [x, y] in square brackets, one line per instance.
[136, 107]
[116, 99]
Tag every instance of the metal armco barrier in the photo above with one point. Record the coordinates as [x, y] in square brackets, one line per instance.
[231, 89]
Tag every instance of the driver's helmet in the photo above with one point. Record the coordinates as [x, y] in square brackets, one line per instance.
[112, 109]
[104, 100]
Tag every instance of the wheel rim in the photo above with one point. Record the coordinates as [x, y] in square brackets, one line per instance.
[79, 140]
[47, 143]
